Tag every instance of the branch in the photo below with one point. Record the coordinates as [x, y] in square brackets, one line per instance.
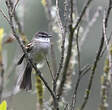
[14, 14]
[1, 80]
[63, 33]
[13, 10]
[49, 68]
[107, 76]
[67, 60]
[71, 29]
[89, 26]
[79, 73]
[48, 7]
[82, 14]
[108, 44]
[4, 16]
[63, 41]
[26, 54]
[92, 73]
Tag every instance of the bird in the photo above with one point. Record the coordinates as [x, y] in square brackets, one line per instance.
[37, 50]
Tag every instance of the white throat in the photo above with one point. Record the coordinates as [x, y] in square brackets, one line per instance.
[46, 40]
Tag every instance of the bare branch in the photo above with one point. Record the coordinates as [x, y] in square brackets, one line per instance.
[108, 45]
[1, 81]
[79, 73]
[4, 16]
[78, 50]
[92, 74]
[14, 14]
[26, 54]
[82, 14]
[67, 59]
[50, 20]
[107, 76]
[71, 29]
[13, 10]
[63, 33]
[90, 24]
[49, 68]
[106, 42]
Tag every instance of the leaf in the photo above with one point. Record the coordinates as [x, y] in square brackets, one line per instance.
[3, 105]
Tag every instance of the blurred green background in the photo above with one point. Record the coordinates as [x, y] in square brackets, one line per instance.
[35, 20]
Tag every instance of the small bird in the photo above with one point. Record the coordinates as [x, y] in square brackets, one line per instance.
[37, 49]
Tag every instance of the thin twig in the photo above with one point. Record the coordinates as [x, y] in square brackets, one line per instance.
[63, 40]
[72, 29]
[108, 13]
[92, 74]
[85, 70]
[93, 70]
[13, 10]
[105, 24]
[82, 14]
[4, 15]
[63, 33]
[104, 31]
[49, 68]
[89, 26]
[66, 107]
[69, 52]
[48, 7]
[79, 74]
[78, 51]
[20, 28]
[50, 20]
[1, 81]
[107, 77]
[103, 51]
[74, 97]
[106, 42]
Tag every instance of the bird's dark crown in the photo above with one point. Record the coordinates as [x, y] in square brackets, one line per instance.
[42, 35]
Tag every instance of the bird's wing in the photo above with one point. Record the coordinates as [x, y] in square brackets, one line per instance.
[21, 59]
[28, 48]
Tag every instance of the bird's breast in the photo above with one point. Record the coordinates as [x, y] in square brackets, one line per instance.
[39, 52]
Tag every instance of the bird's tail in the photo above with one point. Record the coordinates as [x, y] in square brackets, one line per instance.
[26, 81]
